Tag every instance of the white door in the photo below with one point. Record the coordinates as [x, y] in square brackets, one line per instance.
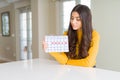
[25, 35]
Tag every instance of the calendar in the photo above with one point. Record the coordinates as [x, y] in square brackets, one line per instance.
[57, 43]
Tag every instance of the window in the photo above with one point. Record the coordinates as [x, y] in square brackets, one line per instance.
[5, 21]
[86, 2]
[67, 6]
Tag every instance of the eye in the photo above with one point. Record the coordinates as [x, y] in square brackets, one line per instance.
[72, 18]
[78, 19]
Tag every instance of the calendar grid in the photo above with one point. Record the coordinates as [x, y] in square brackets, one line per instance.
[57, 43]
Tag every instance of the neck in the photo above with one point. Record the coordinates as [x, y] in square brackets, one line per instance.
[79, 30]
[79, 33]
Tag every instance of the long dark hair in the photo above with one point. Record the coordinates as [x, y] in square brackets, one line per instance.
[86, 20]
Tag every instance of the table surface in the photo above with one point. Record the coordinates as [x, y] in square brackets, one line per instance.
[45, 69]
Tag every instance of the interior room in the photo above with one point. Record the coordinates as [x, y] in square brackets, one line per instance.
[28, 21]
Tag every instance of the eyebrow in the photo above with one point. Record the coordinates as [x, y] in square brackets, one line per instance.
[75, 17]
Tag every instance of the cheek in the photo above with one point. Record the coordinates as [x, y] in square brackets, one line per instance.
[80, 24]
[71, 24]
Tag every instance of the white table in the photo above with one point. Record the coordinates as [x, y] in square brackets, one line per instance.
[44, 69]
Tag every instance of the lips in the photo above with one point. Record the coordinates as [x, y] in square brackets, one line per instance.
[74, 27]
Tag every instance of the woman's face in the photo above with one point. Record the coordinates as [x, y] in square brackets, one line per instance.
[75, 21]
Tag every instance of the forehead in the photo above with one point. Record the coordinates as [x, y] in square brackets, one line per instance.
[75, 14]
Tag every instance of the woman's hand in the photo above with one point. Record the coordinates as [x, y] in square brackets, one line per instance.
[44, 45]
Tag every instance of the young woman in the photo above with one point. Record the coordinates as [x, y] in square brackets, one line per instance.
[83, 40]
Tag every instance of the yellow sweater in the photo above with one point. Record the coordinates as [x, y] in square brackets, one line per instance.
[89, 61]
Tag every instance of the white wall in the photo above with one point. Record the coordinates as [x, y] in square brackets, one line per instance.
[43, 15]
[43, 10]
[35, 28]
[106, 20]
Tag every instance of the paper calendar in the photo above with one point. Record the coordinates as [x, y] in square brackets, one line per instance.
[56, 43]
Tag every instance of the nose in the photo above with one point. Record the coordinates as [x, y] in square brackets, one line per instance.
[74, 21]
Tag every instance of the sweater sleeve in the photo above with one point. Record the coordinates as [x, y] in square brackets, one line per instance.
[60, 57]
[90, 60]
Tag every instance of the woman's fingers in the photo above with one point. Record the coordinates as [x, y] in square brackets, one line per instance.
[44, 45]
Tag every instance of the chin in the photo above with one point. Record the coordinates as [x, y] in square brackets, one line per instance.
[75, 29]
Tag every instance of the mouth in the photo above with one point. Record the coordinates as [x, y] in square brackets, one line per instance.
[74, 27]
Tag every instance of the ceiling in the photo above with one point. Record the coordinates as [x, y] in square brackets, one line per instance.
[8, 1]
[4, 3]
